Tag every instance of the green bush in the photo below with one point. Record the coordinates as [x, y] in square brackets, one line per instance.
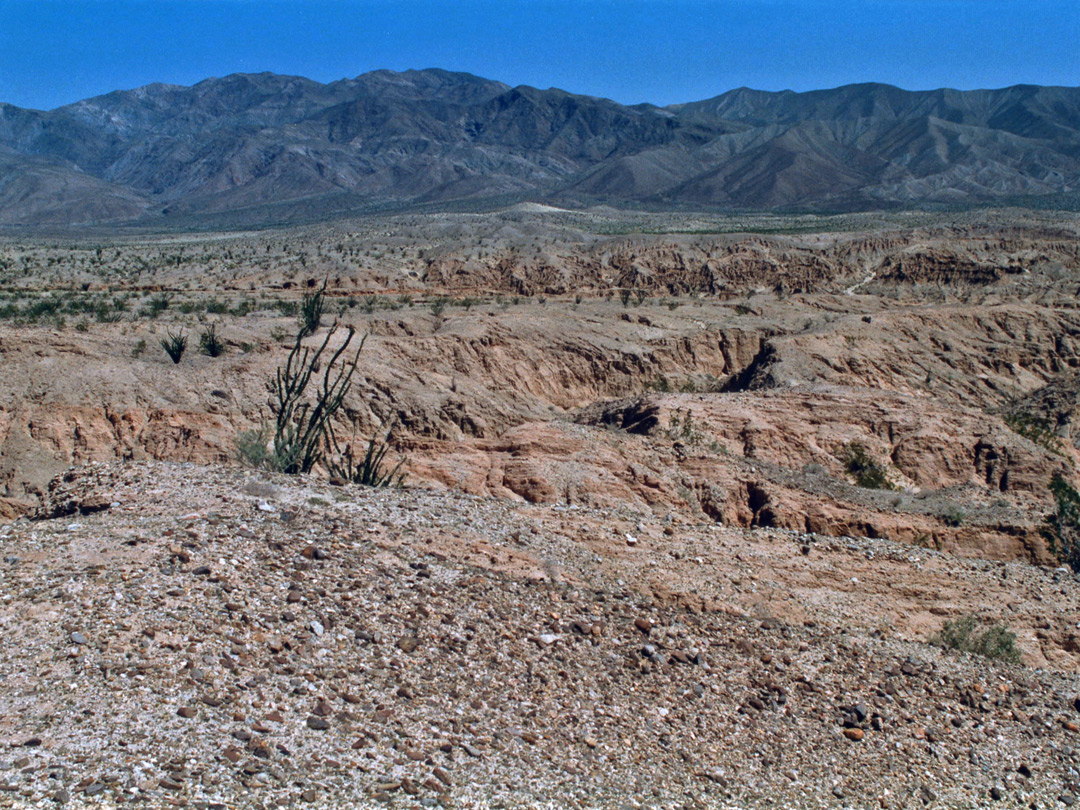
[1035, 429]
[252, 448]
[174, 345]
[1062, 529]
[302, 428]
[371, 471]
[864, 469]
[210, 342]
[311, 311]
[994, 641]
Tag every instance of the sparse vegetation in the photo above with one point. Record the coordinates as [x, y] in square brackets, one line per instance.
[968, 634]
[252, 447]
[174, 345]
[862, 467]
[1036, 429]
[371, 470]
[954, 517]
[210, 342]
[311, 311]
[302, 429]
[1062, 528]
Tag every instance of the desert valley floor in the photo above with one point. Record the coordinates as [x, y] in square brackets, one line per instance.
[637, 560]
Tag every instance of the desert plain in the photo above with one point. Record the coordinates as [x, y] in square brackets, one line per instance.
[688, 501]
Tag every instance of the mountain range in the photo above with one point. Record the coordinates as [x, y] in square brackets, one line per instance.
[265, 148]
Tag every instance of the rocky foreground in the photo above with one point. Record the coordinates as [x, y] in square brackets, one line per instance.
[177, 635]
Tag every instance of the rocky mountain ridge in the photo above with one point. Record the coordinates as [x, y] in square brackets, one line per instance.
[262, 148]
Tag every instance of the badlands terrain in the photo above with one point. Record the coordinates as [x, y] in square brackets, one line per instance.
[635, 561]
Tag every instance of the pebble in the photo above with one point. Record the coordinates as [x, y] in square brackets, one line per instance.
[78, 638]
[317, 723]
[854, 734]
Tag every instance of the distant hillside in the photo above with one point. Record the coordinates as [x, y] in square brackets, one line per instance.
[278, 148]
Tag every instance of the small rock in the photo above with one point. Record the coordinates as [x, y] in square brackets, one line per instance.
[854, 734]
[643, 624]
[996, 793]
[201, 571]
[78, 638]
[442, 776]
[408, 644]
[631, 540]
[317, 723]
[309, 795]
[186, 711]
[317, 628]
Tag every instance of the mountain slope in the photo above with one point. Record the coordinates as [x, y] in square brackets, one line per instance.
[248, 141]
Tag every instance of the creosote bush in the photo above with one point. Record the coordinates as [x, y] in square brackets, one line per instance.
[864, 469]
[1062, 529]
[968, 635]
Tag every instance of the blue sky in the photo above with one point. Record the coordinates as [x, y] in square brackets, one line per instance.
[54, 52]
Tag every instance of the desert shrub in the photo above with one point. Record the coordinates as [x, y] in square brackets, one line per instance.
[371, 470]
[138, 348]
[290, 309]
[954, 517]
[863, 468]
[1035, 429]
[210, 342]
[438, 305]
[1062, 528]
[174, 345]
[624, 296]
[969, 635]
[158, 304]
[252, 448]
[311, 311]
[302, 428]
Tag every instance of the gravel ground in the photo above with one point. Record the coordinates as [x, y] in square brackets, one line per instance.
[176, 635]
